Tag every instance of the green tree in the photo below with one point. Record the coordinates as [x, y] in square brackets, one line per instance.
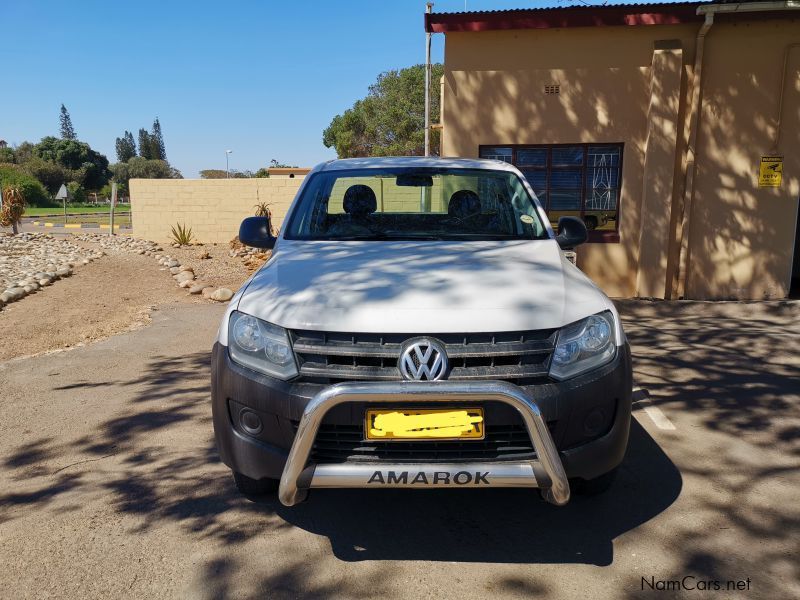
[390, 120]
[76, 193]
[105, 191]
[23, 153]
[89, 168]
[143, 168]
[7, 156]
[51, 174]
[222, 174]
[158, 141]
[145, 145]
[126, 147]
[67, 131]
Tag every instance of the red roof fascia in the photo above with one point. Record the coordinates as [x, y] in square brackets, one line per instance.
[562, 18]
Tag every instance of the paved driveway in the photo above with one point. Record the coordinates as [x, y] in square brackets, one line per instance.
[110, 485]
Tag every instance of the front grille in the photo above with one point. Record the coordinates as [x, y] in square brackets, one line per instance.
[517, 356]
[340, 443]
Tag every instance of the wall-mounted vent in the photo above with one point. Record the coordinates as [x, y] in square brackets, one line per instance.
[552, 89]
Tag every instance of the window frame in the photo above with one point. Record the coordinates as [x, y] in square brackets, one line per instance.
[607, 236]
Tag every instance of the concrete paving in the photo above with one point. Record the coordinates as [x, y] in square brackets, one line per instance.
[110, 485]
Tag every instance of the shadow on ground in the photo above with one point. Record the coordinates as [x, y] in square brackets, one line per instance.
[502, 525]
[729, 383]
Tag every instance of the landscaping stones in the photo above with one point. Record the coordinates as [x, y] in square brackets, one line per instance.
[121, 243]
[198, 287]
[184, 276]
[30, 261]
[222, 295]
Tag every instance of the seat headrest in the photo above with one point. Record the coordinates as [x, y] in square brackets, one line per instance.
[464, 203]
[360, 200]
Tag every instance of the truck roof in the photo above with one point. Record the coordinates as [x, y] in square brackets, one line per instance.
[413, 161]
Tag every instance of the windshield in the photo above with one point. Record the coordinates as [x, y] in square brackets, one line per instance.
[415, 203]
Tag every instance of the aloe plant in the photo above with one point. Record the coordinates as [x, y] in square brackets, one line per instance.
[182, 234]
[13, 207]
[262, 209]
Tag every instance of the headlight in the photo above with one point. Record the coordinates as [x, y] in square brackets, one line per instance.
[262, 346]
[583, 346]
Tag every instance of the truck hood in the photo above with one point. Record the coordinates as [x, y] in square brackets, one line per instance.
[420, 287]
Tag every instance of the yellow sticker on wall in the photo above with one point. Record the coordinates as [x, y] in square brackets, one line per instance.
[770, 173]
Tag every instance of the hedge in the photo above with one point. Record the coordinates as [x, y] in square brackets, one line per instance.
[35, 193]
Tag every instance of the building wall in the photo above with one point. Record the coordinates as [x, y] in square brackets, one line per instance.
[632, 85]
[213, 208]
[740, 235]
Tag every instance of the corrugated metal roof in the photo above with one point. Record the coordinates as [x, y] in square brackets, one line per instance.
[590, 7]
[660, 13]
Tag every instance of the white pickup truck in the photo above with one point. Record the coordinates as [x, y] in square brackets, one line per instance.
[418, 326]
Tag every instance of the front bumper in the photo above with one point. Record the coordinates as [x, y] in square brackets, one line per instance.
[264, 451]
[546, 472]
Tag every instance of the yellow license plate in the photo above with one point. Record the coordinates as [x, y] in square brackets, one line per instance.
[424, 424]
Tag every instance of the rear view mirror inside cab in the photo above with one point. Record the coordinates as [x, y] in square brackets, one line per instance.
[412, 180]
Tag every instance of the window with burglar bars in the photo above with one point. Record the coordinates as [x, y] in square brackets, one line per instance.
[581, 180]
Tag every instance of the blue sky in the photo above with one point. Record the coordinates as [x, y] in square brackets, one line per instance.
[260, 78]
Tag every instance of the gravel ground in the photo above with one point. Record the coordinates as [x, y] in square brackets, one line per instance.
[103, 298]
[220, 268]
[106, 297]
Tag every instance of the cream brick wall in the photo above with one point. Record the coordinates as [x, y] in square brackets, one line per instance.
[213, 208]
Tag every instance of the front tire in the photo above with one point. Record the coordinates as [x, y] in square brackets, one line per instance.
[254, 487]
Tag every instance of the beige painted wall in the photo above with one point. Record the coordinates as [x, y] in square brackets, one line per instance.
[612, 90]
[740, 235]
[213, 208]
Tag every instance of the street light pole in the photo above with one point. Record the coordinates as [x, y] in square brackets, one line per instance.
[227, 164]
[428, 9]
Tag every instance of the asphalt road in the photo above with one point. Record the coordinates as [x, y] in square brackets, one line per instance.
[110, 485]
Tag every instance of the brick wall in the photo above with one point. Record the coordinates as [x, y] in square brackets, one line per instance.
[213, 208]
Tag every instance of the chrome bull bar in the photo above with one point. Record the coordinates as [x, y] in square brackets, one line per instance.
[546, 472]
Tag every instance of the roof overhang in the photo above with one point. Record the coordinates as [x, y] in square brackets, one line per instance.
[574, 16]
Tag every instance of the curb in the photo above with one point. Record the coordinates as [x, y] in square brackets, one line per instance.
[76, 225]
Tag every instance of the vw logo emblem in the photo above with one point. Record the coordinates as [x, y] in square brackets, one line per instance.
[423, 359]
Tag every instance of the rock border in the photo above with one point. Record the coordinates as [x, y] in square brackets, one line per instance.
[38, 279]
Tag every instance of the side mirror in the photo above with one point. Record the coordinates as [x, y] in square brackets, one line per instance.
[257, 232]
[571, 232]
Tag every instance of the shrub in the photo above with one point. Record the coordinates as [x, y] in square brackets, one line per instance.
[32, 190]
[182, 234]
[13, 206]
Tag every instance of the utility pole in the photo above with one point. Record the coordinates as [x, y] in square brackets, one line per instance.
[113, 206]
[428, 9]
[227, 167]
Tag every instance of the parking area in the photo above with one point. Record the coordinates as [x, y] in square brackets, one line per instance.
[110, 485]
